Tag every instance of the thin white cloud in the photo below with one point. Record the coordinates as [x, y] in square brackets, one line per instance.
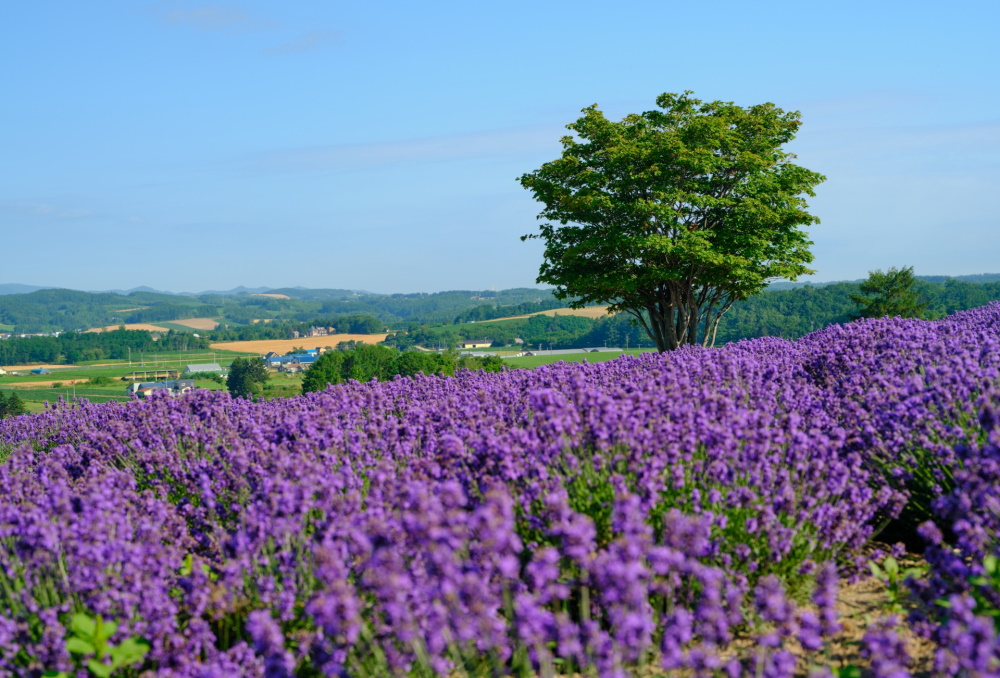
[496, 143]
[306, 43]
[36, 209]
[223, 18]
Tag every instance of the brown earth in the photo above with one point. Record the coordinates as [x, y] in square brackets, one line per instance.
[283, 346]
[131, 326]
[588, 312]
[272, 296]
[48, 384]
[198, 323]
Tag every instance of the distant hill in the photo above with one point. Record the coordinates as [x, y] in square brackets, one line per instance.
[15, 288]
[978, 278]
[52, 310]
[784, 310]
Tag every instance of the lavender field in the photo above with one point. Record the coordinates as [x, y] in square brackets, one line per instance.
[691, 513]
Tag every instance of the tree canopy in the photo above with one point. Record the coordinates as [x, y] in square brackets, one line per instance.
[247, 377]
[889, 294]
[11, 405]
[367, 362]
[673, 215]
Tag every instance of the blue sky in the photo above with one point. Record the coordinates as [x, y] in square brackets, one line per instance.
[190, 145]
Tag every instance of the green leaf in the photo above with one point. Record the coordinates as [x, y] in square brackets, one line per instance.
[100, 670]
[891, 567]
[849, 671]
[130, 651]
[106, 629]
[79, 646]
[55, 674]
[82, 625]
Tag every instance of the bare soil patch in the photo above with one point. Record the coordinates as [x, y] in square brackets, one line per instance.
[272, 296]
[198, 323]
[48, 384]
[588, 312]
[285, 345]
[131, 326]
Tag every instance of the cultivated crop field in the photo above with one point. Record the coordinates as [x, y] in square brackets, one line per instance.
[586, 312]
[149, 327]
[692, 513]
[100, 381]
[283, 346]
[198, 323]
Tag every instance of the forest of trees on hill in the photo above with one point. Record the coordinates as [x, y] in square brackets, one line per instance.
[429, 320]
[75, 347]
[58, 310]
[788, 313]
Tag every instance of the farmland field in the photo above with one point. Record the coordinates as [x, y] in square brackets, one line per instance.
[283, 346]
[586, 312]
[530, 361]
[149, 327]
[197, 323]
[75, 380]
[697, 513]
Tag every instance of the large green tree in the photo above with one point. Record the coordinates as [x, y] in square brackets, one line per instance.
[889, 294]
[11, 405]
[247, 377]
[674, 214]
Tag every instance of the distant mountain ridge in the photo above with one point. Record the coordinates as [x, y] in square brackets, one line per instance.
[16, 288]
[978, 278]
[313, 293]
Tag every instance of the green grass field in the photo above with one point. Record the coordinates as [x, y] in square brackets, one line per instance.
[539, 360]
[177, 327]
[37, 389]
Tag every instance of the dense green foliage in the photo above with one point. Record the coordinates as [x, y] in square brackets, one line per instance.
[75, 347]
[247, 377]
[367, 362]
[792, 313]
[788, 313]
[350, 324]
[562, 330]
[783, 311]
[11, 405]
[66, 310]
[889, 294]
[673, 215]
[493, 311]
[58, 310]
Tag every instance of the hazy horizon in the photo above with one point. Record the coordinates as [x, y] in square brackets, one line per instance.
[247, 288]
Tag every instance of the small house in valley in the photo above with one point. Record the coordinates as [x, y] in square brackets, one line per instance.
[297, 362]
[476, 343]
[150, 375]
[146, 389]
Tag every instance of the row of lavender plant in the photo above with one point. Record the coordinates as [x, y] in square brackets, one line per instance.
[673, 510]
